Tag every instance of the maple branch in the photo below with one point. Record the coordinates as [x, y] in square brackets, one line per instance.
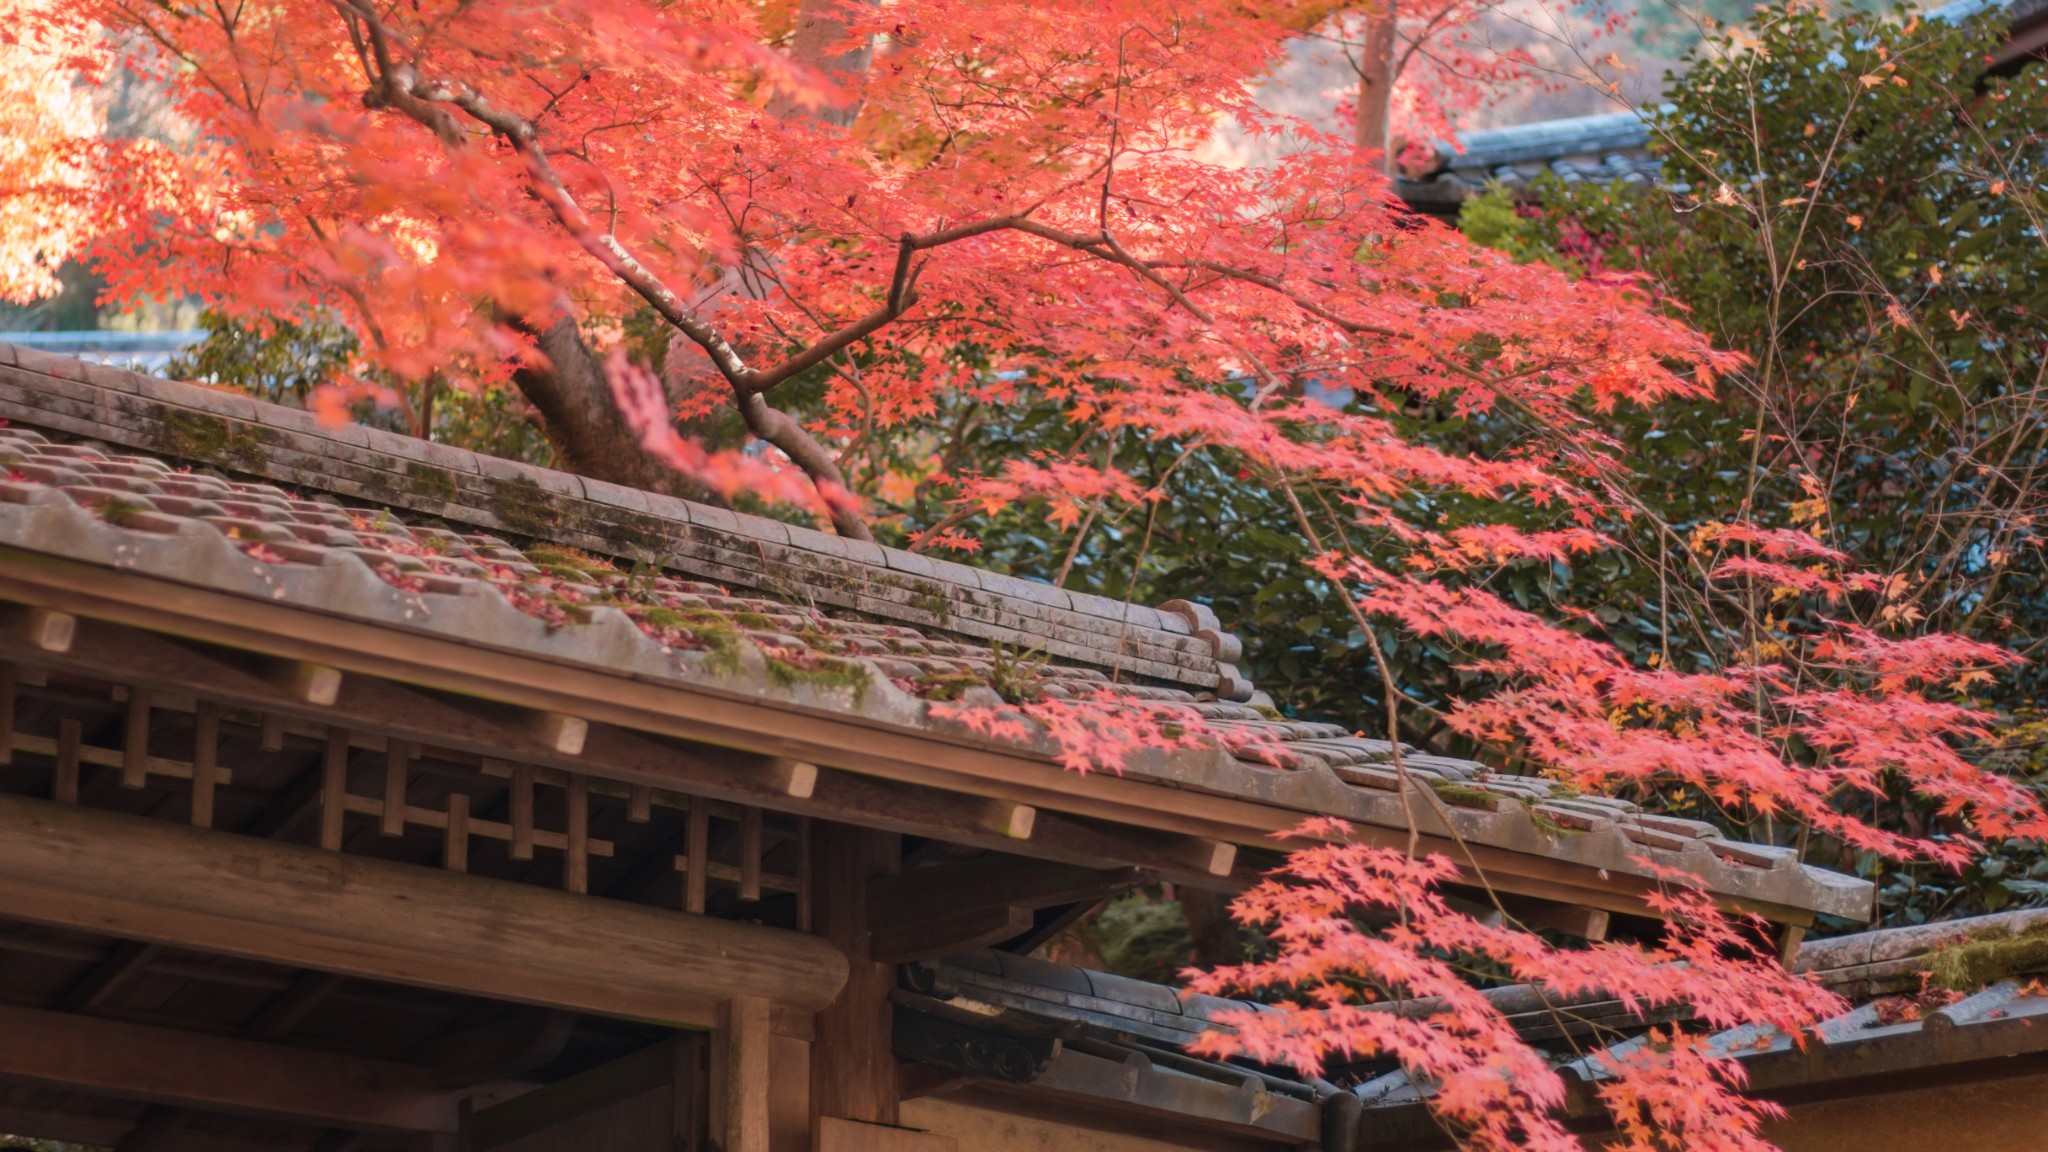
[400, 87]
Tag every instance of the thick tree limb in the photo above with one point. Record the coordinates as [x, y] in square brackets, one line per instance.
[580, 423]
[590, 440]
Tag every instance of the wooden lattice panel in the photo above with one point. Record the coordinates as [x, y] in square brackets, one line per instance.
[545, 809]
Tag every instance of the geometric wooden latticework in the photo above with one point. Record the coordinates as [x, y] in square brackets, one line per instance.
[397, 787]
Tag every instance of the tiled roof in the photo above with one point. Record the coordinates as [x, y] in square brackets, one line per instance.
[1603, 149]
[1068, 1032]
[679, 593]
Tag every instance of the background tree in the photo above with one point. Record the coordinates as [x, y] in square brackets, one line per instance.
[46, 157]
[1855, 203]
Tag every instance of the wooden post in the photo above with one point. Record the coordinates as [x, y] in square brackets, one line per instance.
[7, 686]
[853, 1070]
[690, 1098]
[455, 849]
[334, 789]
[135, 745]
[1789, 939]
[396, 755]
[739, 1069]
[750, 853]
[697, 856]
[522, 812]
[576, 868]
[205, 761]
[273, 732]
[64, 786]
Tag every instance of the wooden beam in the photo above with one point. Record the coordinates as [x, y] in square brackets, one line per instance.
[502, 1049]
[293, 1005]
[8, 686]
[836, 1135]
[1186, 836]
[397, 762]
[156, 1130]
[1789, 939]
[572, 1113]
[126, 960]
[90, 1122]
[688, 711]
[1222, 858]
[1011, 820]
[576, 855]
[219, 892]
[945, 933]
[522, 812]
[750, 854]
[455, 843]
[954, 907]
[163, 1065]
[1570, 919]
[696, 861]
[929, 893]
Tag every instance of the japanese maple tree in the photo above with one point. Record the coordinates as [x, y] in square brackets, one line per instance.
[887, 207]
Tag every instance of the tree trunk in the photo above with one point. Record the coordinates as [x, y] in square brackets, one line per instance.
[571, 394]
[577, 416]
[821, 42]
[1376, 82]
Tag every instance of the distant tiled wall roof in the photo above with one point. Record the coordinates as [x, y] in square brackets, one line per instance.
[1605, 148]
[1613, 147]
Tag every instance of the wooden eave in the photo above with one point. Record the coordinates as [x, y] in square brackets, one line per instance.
[1098, 819]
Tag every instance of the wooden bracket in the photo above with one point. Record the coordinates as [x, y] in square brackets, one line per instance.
[43, 628]
[316, 684]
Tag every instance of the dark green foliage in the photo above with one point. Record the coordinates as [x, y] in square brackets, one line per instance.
[281, 363]
[1144, 937]
[284, 360]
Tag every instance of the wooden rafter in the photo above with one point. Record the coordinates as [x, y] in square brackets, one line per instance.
[188, 1069]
